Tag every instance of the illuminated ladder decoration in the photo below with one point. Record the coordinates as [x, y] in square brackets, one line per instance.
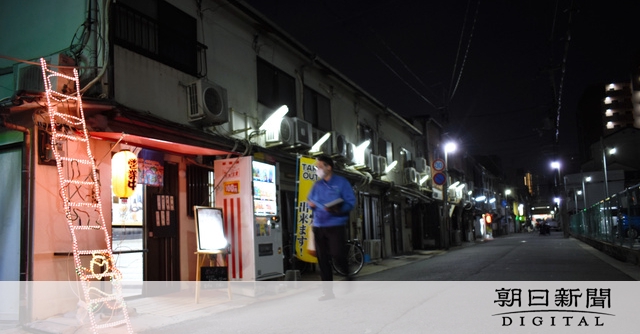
[80, 192]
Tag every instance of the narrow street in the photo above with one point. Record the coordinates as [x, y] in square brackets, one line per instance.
[388, 302]
[516, 257]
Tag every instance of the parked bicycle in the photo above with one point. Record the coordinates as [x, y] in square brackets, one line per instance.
[355, 258]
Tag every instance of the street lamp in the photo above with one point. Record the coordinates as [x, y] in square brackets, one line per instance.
[584, 191]
[448, 148]
[584, 200]
[556, 165]
[604, 166]
[507, 192]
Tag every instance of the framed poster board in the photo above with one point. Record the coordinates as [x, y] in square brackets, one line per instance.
[209, 229]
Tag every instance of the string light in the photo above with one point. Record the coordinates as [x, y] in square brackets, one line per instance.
[64, 127]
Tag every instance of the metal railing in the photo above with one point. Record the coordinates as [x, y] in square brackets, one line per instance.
[615, 220]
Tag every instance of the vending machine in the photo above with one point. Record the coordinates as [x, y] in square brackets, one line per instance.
[246, 190]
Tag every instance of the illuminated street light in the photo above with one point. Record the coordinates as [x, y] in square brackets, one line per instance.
[449, 147]
[556, 165]
[612, 151]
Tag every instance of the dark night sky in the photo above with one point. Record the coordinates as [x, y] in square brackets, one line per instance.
[507, 55]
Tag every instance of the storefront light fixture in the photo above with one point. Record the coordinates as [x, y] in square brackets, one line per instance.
[455, 184]
[391, 166]
[424, 179]
[275, 118]
[492, 200]
[320, 142]
[359, 151]
[481, 198]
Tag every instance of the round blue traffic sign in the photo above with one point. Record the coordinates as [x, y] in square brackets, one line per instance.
[438, 165]
[439, 178]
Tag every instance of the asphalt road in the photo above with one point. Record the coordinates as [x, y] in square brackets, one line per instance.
[389, 302]
[516, 257]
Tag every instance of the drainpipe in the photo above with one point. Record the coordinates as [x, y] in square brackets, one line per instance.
[27, 216]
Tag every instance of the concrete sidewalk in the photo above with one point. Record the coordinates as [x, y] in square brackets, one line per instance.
[149, 313]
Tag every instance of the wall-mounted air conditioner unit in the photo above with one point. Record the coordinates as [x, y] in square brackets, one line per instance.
[373, 248]
[282, 133]
[411, 176]
[28, 77]
[375, 164]
[382, 161]
[421, 165]
[338, 145]
[207, 103]
[303, 133]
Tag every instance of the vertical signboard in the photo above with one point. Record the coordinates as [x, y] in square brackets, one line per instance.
[305, 179]
[234, 196]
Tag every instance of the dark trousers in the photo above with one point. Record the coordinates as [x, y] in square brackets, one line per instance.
[330, 243]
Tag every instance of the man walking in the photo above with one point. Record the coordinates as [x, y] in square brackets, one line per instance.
[331, 199]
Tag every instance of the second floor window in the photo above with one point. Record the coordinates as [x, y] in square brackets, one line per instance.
[317, 109]
[275, 87]
[158, 31]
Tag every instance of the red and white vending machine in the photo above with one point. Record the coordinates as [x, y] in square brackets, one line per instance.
[246, 190]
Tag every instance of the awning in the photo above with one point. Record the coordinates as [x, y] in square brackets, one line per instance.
[151, 132]
[156, 144]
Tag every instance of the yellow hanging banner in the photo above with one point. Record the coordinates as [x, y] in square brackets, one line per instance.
[305, 179]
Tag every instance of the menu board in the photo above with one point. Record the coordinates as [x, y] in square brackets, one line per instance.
[264, 189]
[209, 229]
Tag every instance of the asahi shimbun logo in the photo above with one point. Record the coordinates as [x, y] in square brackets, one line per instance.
[559, 308]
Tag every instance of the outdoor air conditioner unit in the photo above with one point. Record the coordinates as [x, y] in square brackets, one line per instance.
[382, 161]
[338, 145]
[411, 176]
[207, 103]
[303, 133]
[368, 159]
[375, 164]
[373, 248]
[28, 77]
[421, 165]
[282, 133]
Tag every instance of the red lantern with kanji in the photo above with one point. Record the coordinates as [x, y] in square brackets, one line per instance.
[124, 173]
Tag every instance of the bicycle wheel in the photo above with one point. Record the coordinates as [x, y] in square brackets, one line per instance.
[355, 259]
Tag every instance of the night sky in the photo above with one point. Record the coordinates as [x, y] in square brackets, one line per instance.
[490, 71]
